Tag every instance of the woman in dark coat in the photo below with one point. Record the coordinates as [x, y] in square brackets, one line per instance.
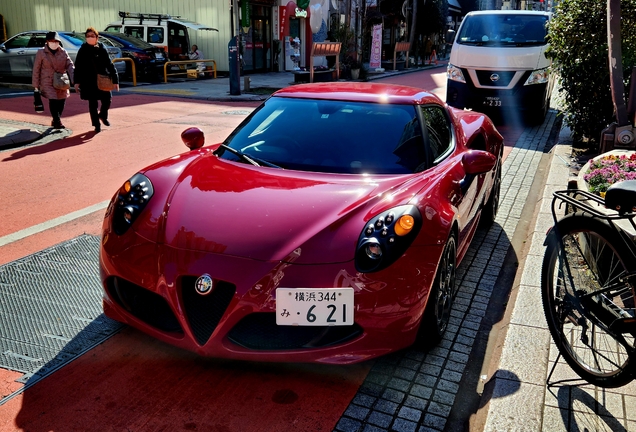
[52, 58]
[92, 59]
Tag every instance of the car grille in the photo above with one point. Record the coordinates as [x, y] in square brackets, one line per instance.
[205, 311]
[258, 331]
[145, 305]
[484, 77]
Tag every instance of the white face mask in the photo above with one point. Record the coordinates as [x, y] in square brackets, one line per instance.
[54, 45]
[91, 40]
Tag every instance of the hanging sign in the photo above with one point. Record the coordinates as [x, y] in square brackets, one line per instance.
[282, 17]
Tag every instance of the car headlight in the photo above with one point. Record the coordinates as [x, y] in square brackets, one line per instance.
[386, 237]
[454, 73]
[130, 201]
[538, 76]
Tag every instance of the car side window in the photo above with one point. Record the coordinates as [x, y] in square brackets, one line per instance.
[155, 35]
[20, 41]
[134, 31]
[438, 131]
[37, 41]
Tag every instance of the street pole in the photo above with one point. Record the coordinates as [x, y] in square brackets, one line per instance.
[234, 53]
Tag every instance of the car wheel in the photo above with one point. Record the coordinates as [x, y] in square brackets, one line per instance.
[489, 213]
[440, 301]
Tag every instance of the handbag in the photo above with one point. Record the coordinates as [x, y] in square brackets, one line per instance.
[61, 81]
[104, 82]
[37, 102]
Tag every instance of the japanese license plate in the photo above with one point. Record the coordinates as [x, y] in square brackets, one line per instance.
[314, 306]
[492, 101]
[159, 56]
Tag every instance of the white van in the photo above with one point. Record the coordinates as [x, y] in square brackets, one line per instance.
[498, 63]
[161, 30]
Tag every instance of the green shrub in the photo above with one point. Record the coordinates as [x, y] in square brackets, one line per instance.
[578, 48]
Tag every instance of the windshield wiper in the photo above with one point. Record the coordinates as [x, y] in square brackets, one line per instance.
[249, 159]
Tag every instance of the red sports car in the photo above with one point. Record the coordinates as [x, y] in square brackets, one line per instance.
[326, 228]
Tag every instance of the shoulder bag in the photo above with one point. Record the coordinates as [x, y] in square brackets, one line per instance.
[104, 82]
[61, 80]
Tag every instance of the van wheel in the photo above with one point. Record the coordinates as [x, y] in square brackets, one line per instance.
[536, 118]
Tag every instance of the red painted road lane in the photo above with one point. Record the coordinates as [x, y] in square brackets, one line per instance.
[51, 180]
[133, 382]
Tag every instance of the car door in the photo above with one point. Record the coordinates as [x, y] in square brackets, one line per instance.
[15, 56]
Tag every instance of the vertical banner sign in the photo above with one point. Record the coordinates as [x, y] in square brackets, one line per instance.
[245, 14]
[275, 22]
[282, 15]
[376, 47]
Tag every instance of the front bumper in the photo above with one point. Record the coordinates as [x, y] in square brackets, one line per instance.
[151, 288]
[522, 98]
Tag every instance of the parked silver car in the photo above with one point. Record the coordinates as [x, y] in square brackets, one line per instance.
[18, 52]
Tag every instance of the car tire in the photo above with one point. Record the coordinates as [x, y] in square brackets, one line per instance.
[489, 213]
[440, 300]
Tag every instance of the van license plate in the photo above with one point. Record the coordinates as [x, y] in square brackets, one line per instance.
[492, 101]
[314, 306]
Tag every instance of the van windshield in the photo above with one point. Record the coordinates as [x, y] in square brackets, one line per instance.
[503, 30]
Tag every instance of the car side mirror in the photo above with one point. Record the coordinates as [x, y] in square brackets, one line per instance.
[193, 138]
[478, 162]
[3, 48]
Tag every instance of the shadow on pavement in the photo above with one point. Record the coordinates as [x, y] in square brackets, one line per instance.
[71, 141]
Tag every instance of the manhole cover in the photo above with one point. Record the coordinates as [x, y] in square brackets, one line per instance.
[237, 112]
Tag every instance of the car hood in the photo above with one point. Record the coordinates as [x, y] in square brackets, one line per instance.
[267, 214]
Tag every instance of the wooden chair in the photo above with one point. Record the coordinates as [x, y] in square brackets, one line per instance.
[401, 47]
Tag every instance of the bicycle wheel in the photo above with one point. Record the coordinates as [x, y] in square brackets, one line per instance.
[583, 293]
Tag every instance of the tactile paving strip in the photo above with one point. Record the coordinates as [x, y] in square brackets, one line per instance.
[51, 309]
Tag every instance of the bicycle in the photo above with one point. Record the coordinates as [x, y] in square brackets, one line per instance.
[587, 283]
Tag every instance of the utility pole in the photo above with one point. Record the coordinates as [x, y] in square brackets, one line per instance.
[234, 52]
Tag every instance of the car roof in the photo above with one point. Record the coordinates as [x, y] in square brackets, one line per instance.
[360, 92]
[509, 12]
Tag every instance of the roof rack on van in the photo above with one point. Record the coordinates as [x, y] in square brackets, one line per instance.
[145, 16]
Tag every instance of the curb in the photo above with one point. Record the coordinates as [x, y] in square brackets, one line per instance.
[516, 391]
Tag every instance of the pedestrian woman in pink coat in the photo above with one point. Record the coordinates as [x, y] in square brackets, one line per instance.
[52, 58]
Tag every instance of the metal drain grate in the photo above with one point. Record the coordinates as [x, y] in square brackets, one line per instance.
[51, 309]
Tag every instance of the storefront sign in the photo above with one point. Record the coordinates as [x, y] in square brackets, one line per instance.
[376, 47]
[275, 22]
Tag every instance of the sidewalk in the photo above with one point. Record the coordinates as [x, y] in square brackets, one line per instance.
[517, 397]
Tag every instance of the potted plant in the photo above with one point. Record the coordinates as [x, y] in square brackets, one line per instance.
[355, 67]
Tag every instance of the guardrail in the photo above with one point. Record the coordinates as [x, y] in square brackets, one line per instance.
[134, 69]
[184, 72]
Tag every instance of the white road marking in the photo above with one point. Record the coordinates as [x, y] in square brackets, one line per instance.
[19, 235]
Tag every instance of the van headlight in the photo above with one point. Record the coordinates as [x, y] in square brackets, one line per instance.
[538, 76]
[454, 73]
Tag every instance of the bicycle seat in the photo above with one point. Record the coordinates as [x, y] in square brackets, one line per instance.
[621, 197]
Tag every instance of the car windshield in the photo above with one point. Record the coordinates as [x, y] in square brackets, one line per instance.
[331, 136]
[503, 29]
